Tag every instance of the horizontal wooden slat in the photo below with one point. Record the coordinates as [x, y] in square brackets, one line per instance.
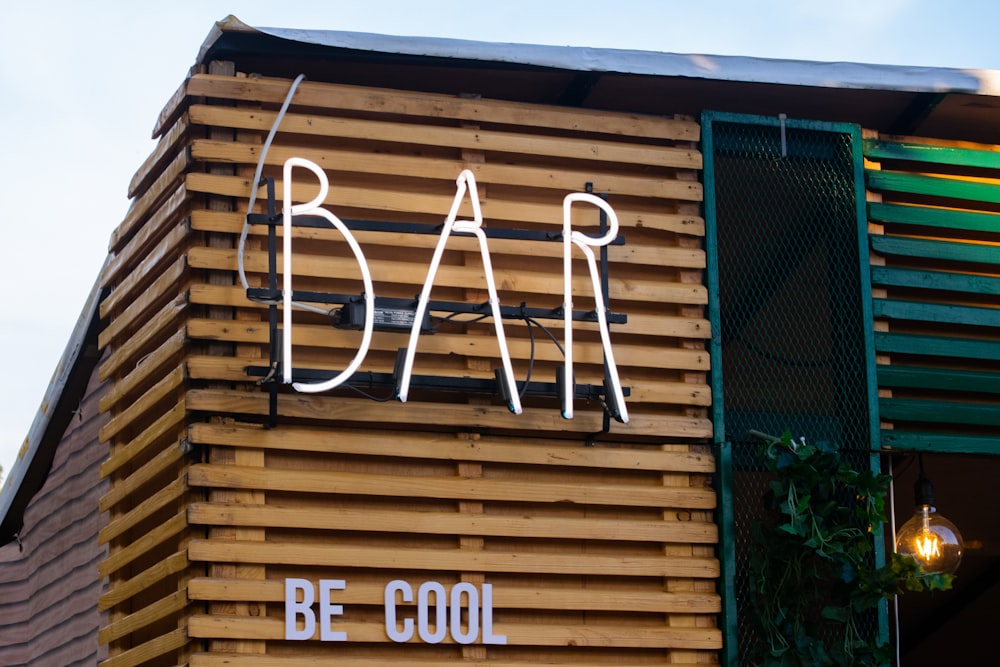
[636, 636]
[456, 488]
[461, 560]
[929, 249]
[934, 216]
[144, 207]
[143, 510]
[153, 264]
[123, 488]
[146, 616]
[150, 368]
[936, 280]
[986, 157]
[504, 597]
[936, 312]
[950, 443]
[141, 408]
[955, 187]
[442, 523]
[122, 591]
[945, 412]
[144, 341]
[940, 346]
[486, 448]
[145, 652]
[640, 356]
[669, 326]
[451, 415]
[140, 546]
[394, 101]
[137, 313]
[166, 216]
[414, 273]
[948, 379]
[166, 147]
[165, 425]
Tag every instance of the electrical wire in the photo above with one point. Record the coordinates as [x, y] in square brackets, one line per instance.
[257, 176]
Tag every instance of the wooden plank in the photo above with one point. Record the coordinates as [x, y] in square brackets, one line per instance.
[407, 103]
[452, 488]
[165, 287]
[145, 340]
[157, 501]
[141, 407]
[948, 379]
[165, 425]
[504, 597]
[414, 273]
[936, 280]
[942, 412]
[166, 217]
[640, 356]
[207, 367]
[581, 149]
[987, 157]
[130, 588]
[145, 206]
[936, 312]
[950, 443]
[441, 415]
[142, 545]
[145, 271]
[935, 216]
[166, 148]
[986, 190]
[982, 253]
[149, 368]
[339, 556]
[440, 523]
[150, 650]
[668, 326]
[486, 448]
[939, 346]
[122, 488]
[145, 617]
[343, 196]
[592, 635]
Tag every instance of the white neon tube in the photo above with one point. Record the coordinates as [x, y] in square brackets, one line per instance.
[466, 181]
[585, 243]
[315, 206]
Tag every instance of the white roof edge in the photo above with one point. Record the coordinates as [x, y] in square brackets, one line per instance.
[652, 63]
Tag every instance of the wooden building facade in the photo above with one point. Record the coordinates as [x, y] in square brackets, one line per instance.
[246, 522]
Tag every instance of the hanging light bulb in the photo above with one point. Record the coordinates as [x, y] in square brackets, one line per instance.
[932, 540]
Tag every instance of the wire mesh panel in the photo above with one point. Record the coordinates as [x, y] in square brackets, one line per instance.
[790, 352]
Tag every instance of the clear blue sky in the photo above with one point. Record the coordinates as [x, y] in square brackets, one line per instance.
[82, 84]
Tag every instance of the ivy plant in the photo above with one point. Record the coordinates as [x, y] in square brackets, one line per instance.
[812, 567]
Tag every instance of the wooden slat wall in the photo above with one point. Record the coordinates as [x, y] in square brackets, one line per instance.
[935, 237]
[599, 554]
[48, 587]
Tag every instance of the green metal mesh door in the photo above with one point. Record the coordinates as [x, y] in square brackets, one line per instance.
[785, 265]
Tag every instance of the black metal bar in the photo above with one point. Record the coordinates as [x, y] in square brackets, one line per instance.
[371, 380]
[274, 355]
[354, 225]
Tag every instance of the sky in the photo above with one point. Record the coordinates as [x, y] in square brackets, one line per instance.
[82, 83]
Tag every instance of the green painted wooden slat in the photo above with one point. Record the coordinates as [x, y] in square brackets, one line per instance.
[936, 186]
[940, 442]
[937, 346]
[935, 280]
[965, 157]
[934, 217]
[914, 377]
[936, 312]
[942, 412]
[947, 250]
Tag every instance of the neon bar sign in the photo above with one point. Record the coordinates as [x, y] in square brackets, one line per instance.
[466, 185]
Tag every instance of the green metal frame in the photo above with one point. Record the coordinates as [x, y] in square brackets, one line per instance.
[723, 449]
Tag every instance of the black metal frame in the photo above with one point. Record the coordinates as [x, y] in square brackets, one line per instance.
[272, 296]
